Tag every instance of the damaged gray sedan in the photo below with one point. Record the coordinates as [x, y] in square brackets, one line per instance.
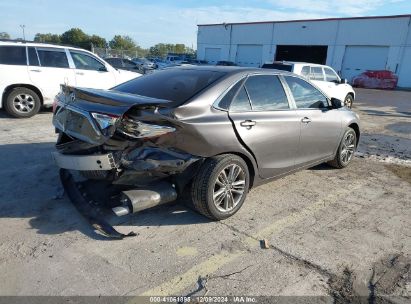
[207, 133]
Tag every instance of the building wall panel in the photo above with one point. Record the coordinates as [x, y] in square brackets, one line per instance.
[305, 33]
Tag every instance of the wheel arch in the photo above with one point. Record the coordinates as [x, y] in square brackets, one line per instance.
[356, 128]
[250, 165]
[8, 89]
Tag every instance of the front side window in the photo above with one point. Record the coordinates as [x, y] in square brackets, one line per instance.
[241, 103]
[330, 75]
[266, 93]
[13, 55]
[86, 62]
[305, 95]
[53, 58]
[316, 73]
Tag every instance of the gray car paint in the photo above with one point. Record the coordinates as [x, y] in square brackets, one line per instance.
[271, 148]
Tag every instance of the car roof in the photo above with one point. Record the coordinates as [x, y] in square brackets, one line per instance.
[232, 70]
[39, 44]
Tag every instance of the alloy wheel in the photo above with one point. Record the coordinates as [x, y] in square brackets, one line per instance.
[24, 103]
[229, 188]
[348, 147]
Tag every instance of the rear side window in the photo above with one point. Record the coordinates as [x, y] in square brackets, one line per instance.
[316, 73]
[171, 84]
[241, 103]
[13, 55]
[266, 93]
[129, 63]
[225, 102]
[116, 62]
[86, 62]
[305, 95]
[33, 59]
[54, 58]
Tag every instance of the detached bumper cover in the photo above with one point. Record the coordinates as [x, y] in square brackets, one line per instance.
[87, 209]
[84, 162]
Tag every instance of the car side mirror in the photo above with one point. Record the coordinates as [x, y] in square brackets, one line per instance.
[102, 69]
[336, 103]
[343, 81]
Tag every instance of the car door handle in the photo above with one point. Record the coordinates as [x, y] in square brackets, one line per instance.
[79, 73]
[305, 120]
[248, 123]
[35, 71]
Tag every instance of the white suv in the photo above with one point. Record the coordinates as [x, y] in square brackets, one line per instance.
[31, 74]
[323, 76]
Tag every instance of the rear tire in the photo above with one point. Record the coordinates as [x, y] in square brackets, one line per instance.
[346, 150]
[219, 189]
[22, 103]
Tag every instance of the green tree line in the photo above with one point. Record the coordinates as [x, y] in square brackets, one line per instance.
[77, 37]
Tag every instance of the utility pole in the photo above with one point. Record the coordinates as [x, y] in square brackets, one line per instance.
[22, 27]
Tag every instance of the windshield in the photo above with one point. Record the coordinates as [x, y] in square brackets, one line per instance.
[174, 84]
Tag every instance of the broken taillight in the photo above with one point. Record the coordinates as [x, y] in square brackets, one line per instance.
[138, 129]
[105, 122]
[55, 102]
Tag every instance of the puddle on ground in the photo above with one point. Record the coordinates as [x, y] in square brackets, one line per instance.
[400, 127]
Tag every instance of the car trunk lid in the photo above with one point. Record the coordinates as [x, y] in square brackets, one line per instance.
[74, 113]
[108, 101]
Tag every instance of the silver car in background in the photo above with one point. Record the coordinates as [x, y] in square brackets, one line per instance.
[210, 133]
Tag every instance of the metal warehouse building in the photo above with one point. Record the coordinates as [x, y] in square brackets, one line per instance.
[349, 45]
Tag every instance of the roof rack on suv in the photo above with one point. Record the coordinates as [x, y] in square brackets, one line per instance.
[38, 42]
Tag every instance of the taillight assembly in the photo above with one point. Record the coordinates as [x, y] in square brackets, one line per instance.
[106, 122]
[55, 103]
[138, 129]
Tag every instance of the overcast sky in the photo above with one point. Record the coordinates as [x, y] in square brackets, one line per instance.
[151, 22]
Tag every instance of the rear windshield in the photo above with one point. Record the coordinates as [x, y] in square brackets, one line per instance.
[278, 66]
[174, 84]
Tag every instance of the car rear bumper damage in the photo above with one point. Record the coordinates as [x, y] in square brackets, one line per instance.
[84, 162]
[110, 158]
[98, 185]
[87, 207]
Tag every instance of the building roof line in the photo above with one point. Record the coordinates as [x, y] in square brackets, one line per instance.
[307, 20]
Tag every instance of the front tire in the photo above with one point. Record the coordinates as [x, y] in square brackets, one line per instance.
[346, 149]
[348, 101]
[22, 103]
[219, 189]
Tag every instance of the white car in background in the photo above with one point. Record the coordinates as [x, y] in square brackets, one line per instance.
[323, 76]
[31, 74]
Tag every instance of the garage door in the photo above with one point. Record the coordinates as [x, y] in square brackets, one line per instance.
[212, 55]
[404, 78]
[358, 59]
[249, 55]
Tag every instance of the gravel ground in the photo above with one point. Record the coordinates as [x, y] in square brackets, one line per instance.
[334, 233]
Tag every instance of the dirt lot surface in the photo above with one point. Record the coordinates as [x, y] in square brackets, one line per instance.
[335, 233]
